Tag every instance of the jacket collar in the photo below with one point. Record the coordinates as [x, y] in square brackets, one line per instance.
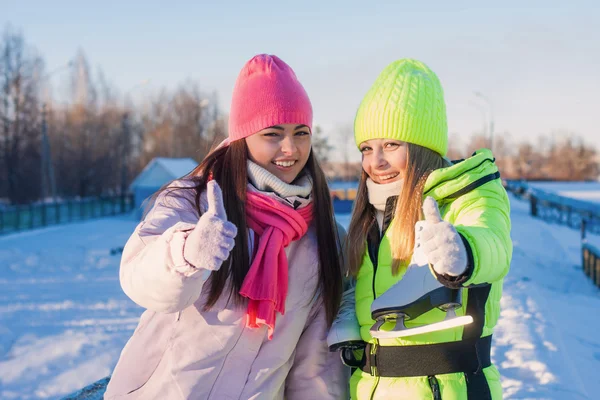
[461, 177]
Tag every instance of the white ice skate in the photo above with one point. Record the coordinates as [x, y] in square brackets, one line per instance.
[415, 294]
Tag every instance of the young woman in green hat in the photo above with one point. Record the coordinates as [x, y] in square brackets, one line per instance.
[429, 245]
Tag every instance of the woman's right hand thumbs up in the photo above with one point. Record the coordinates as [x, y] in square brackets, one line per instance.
[212, 239]
[215, 200]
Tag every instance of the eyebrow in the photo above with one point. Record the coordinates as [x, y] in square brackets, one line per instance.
[281, 127]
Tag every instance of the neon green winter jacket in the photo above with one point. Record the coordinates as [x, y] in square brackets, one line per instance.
[472, 198]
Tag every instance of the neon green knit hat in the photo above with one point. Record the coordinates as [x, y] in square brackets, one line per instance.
[405, 103]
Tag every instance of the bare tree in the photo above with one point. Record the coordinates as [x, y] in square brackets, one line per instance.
[345, 144]
[98, 143]
[184, 124]
[19, 135]
[528, 162]
[568, 158]
[320, 145]
[476, 142]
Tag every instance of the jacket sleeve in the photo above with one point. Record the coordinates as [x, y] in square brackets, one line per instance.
[154, 272]
[317, 373]
[482, 218]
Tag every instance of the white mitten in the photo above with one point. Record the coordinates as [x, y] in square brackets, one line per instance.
[440, 242]
[212, 239]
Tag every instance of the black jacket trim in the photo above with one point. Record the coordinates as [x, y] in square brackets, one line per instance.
[473, 185]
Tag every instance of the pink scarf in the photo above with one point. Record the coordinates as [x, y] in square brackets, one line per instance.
[266, 283]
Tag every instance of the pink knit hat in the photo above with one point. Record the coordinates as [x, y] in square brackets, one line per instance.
[267, 93]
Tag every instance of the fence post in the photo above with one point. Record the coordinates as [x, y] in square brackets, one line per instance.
[597, 273]
[31, 219]
[597, 280]
[533, 202]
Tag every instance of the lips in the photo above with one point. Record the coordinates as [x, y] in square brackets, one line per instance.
[285, 164]
[387, 177]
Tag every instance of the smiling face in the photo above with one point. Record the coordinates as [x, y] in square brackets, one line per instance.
[384, 160]
[283, 150]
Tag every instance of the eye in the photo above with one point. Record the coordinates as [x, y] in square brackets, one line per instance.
[271, 134]
[302, 133]
[392, 145]
[365, 149]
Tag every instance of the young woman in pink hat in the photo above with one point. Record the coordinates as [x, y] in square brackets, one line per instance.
[234, 263]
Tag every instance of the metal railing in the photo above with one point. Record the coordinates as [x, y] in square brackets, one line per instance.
[564, 210]
[31, 216]
[557, 209]
[590, 257]
[576, 214]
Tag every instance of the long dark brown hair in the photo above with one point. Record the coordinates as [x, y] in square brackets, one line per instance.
[421, 162]
[228, 166]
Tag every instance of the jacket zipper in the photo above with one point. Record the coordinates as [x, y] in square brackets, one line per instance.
[373, 251]
[435, 387]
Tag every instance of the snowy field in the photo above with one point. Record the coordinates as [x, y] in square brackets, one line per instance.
[64, 318]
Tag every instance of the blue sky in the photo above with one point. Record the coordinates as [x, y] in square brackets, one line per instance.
[537, 63]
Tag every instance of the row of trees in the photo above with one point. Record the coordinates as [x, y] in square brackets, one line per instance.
[561, 156]
[92, 141]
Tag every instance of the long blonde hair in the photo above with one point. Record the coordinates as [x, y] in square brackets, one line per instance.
[421, 162]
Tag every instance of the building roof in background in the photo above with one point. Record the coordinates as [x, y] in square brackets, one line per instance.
[162, 170]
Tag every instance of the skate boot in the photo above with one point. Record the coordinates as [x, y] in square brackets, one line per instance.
[415, 294]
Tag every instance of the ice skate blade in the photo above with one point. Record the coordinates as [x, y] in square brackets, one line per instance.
[438, 326]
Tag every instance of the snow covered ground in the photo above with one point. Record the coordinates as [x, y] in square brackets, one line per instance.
[546, 344]
[63, 315]
[64, 318]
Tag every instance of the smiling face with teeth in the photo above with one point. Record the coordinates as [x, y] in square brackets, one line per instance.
[283, 150]
[384, 160]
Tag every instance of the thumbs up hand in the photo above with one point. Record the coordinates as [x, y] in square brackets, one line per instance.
[440, 242]
[212, 239]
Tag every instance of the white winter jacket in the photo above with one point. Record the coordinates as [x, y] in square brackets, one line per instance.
[179, 351]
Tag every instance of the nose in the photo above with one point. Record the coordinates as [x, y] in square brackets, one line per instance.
[288, 146]
[378, 161]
